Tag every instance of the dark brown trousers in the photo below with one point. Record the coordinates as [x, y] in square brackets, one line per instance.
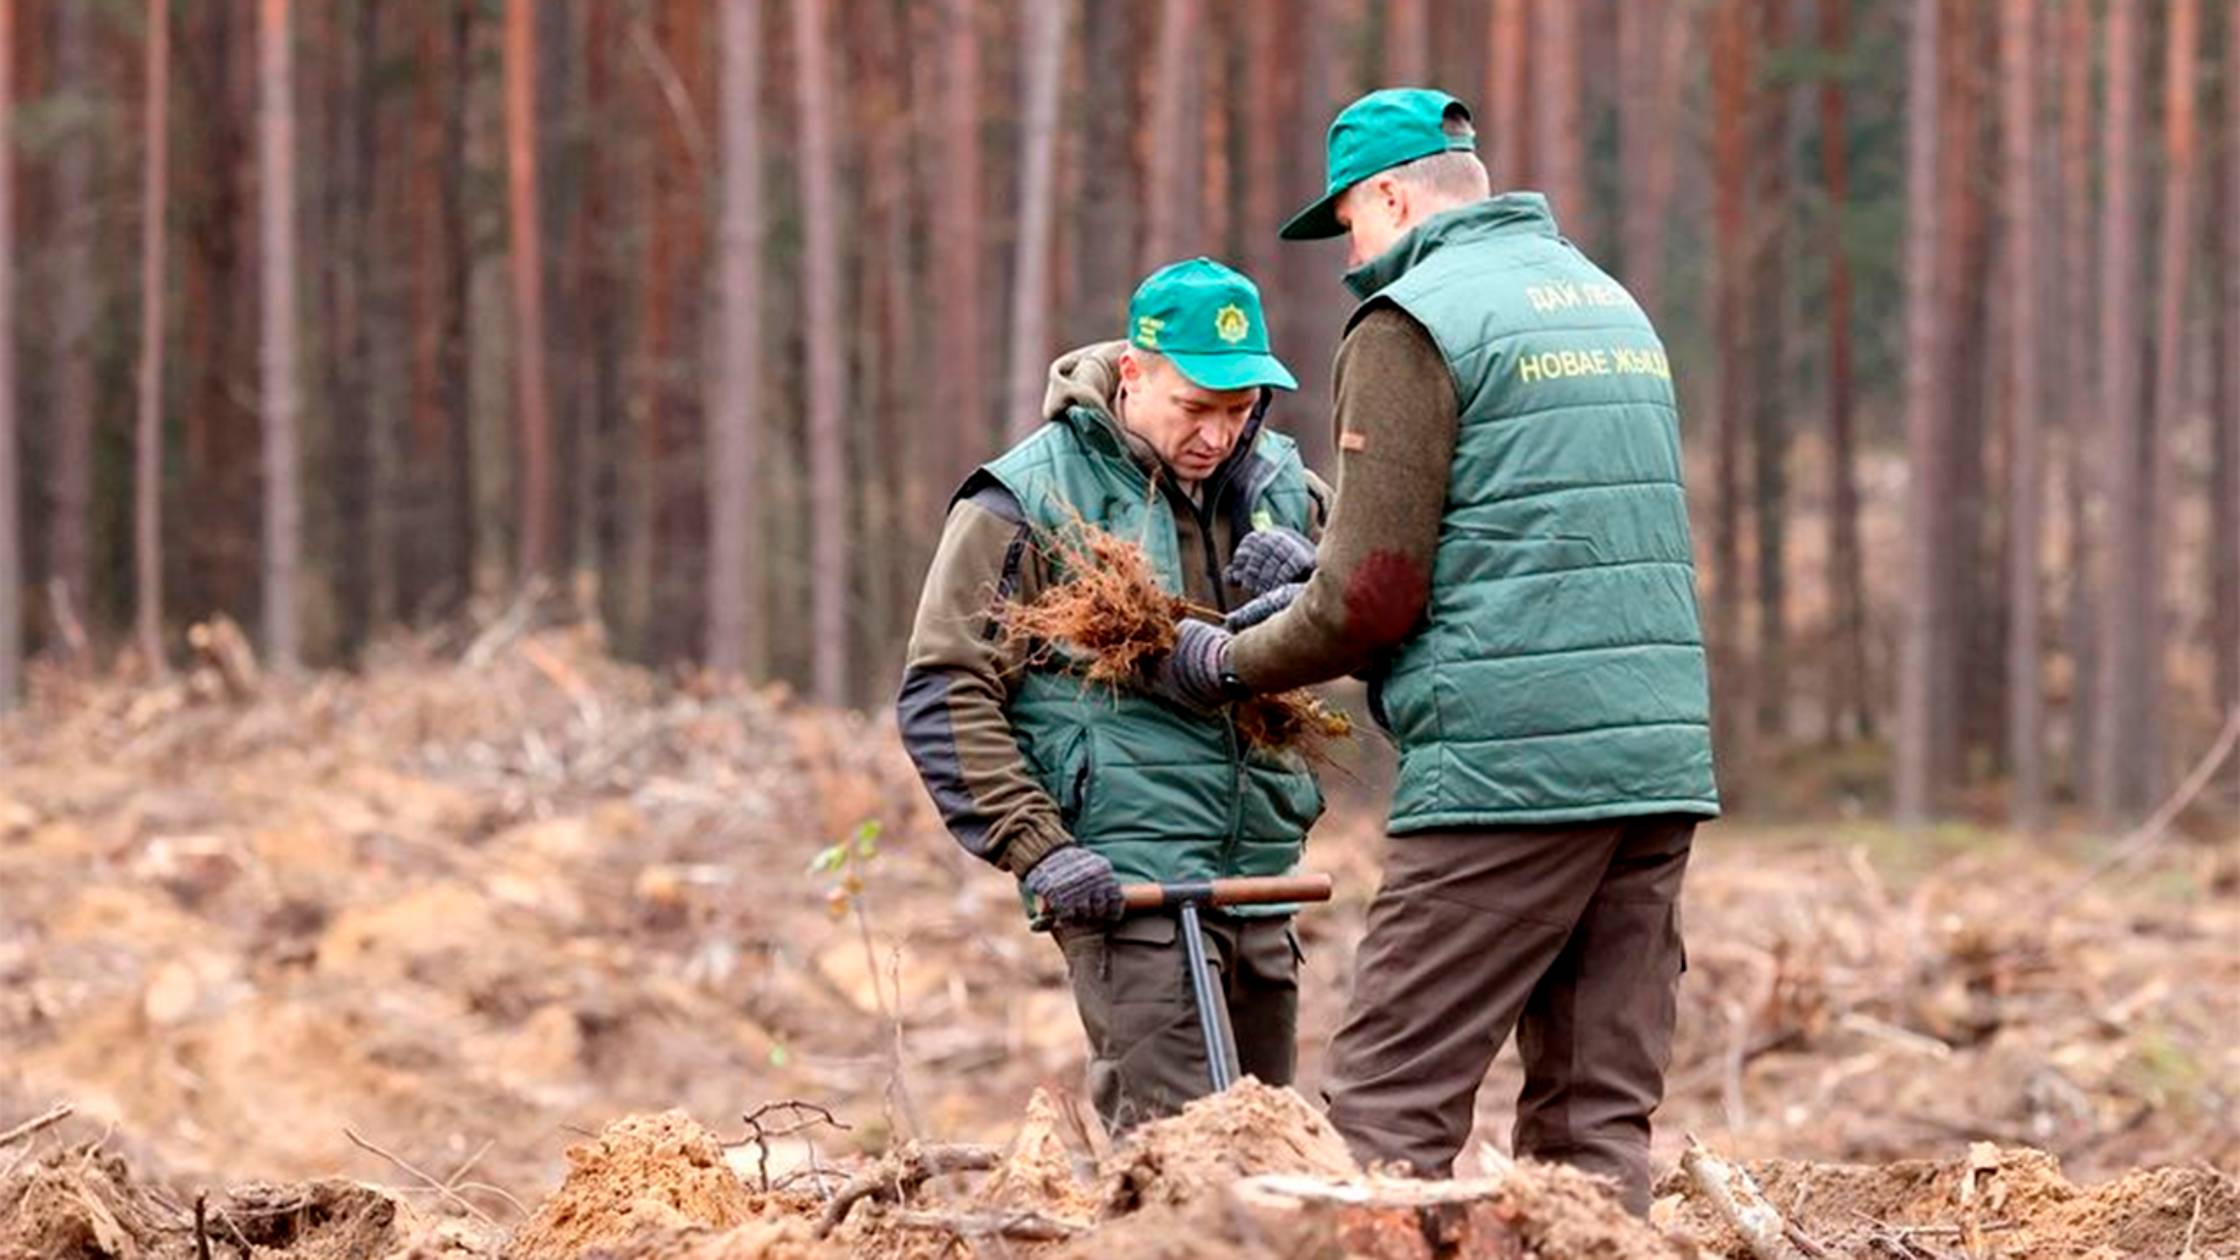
[1571, 936]
[1147, 1056]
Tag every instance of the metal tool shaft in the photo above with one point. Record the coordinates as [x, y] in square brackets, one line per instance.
[1201, 987]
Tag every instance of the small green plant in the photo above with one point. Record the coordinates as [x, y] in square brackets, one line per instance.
[843, 865]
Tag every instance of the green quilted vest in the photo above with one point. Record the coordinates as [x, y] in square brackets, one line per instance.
[1559, 672]
[1164, 794]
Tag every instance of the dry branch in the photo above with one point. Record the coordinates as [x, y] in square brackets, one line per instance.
[51, 1116]
[417, 1175]
[2149, 835]
[896, 1175]
[807, 1115]
[1737, 1198]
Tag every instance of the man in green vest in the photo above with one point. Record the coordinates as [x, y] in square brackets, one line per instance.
[1508, 561]
[1074, 788]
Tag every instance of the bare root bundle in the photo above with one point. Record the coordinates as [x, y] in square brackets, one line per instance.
[1295, 720]
[1114, 620]
[1110, 609]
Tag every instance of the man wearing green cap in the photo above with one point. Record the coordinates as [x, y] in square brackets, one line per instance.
[1074, 788]
[1508, 561]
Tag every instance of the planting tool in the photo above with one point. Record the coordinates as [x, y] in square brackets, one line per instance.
[1186, 900]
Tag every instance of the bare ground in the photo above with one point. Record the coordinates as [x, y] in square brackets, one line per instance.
[474, 913]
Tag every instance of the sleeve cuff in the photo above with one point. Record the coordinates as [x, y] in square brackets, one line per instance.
[1031, 846]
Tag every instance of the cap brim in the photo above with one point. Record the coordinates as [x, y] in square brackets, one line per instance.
[1232, 371]
[1317, 222]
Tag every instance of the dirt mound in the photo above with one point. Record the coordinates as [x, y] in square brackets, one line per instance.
[644, 1174]
[86, 1202]
[757, 1240]
[2016, 1201]
[1561, 1211]
[1039, 1173]
[1530, 1210]
[83, 1203]
[1251, 1129]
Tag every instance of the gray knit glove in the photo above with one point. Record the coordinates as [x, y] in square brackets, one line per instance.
[1266, 606]
[1191, 674]
[1076, 884]
[1269, 558]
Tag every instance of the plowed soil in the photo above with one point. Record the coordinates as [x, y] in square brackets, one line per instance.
[473, 907]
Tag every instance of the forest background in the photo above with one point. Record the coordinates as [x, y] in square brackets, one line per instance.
[346, 319]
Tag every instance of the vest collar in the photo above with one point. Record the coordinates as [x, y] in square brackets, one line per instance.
[1101, 431]
[1509, 214]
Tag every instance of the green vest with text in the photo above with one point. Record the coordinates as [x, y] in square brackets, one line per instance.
[1558, 674]
[1165, 794]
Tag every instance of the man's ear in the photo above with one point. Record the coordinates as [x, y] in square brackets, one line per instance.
[1393, 193]
[1131, 367]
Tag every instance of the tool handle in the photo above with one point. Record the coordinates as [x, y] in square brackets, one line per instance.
[1253, 890]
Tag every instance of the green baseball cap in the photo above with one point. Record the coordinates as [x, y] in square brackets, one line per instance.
[1376, 133]
[1206, 319]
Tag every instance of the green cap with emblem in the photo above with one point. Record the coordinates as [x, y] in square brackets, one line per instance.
[1376, 133]
[1206, 319]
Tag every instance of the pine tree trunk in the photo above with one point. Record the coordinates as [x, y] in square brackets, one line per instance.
[281, 389]
[1560, 145]
[1270, 110]
[2225, 414]
[1970, 676]
[11, 537]
[1847, 683]
[2079, 414]
[1924, 623]
[1105, 258]
[217, 485]
[1172, 180]
[2166, 423]
[960, 393]
[533, 503]
[1733, 71]
[1407, 43]
[2118, 779]
[879, 432]
[1510, 96]
[1043, 54]
[736, 643]
[2025, 457]
[690, 69]
[345, 291]
[1305, 321]
[69, 538]
[1219, 71]
[147, 463]
[1648, 102]
[826, 340]
[1769, 323]
[460, 342]
[652, 171]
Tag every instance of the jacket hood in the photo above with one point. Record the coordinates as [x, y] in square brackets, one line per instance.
[1087, 377]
